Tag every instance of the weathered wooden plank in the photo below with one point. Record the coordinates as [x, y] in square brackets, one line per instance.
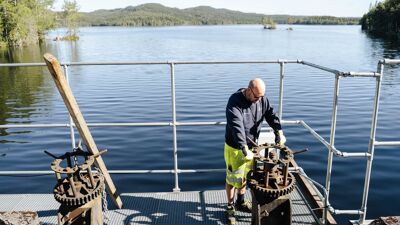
[73, 109]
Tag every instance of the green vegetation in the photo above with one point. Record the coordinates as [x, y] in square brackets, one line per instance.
[268, 23]
[383, 19]
[71, 19]
[24, 21]
[322, 20]
[158, 15]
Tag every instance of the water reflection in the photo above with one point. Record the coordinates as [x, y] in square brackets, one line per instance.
[23, 92]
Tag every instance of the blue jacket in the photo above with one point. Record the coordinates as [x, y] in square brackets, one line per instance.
[244, 119]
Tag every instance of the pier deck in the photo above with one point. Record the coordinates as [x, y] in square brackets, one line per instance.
[195, 207]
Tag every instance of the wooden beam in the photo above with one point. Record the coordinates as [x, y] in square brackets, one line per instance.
[73, 109]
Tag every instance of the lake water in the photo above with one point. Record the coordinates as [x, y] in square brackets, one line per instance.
[142, 94]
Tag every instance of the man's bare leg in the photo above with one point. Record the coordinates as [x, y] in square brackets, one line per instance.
[230, 193]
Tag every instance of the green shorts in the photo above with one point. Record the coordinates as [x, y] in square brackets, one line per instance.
[236, 166]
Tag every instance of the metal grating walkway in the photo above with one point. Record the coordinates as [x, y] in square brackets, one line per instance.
[205, 207]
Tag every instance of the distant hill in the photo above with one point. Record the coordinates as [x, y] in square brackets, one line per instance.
[153, 14]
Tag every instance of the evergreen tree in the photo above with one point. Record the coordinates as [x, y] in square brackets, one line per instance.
[383, 19]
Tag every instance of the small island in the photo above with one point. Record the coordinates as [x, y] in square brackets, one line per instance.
[268, 23]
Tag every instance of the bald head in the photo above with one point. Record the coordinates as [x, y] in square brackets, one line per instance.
[256, 89]
[257, 84]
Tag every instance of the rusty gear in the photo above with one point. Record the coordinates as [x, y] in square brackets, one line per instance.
[269, 179]
[84, 192]
[255, 182]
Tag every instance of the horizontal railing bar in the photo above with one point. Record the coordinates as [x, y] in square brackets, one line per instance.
[44, 172]
[239, 62]
[149, 63]
[320, 67]
[115, 124]
[391, 61]
[287, 122]
[360, 74]
[387, 143]
[350, 212]
[166, 171]
[199, 123]
[54, 125]
[22, 64]
[290, 122]
[355, 154]
[128, 124]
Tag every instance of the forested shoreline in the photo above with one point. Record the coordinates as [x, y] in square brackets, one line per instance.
[153, 14]
[383, 19]
[25, 22]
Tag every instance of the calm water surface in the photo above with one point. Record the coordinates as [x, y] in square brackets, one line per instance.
[142, 94]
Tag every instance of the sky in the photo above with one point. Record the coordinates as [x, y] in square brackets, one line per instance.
[339, 8]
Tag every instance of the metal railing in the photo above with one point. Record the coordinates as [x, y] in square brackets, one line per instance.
[332, 151]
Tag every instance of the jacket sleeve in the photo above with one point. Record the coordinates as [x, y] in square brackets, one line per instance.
[271, 118]
[234, 120]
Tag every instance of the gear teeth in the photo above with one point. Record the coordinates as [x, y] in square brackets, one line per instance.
[62, 197]
[272, 193]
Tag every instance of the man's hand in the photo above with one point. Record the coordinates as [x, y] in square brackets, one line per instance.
[248, 155]
[280, 139]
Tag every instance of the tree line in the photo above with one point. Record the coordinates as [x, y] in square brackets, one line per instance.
[23, 22]
[26, 21]
[383, 19]
[158, 15]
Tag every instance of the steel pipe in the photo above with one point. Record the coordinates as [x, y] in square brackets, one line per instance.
[71, 122]
[111, 63]
[174, 138]
[282, 71]
[315, 134]
[115, 124]
[49, 172]
[291, 122]
[320, 67]
[387, 143]
[331, 144]
[371, 145]
[349, 212]
[22, 64]
[391, 61]
[360, 74]
[355, 154]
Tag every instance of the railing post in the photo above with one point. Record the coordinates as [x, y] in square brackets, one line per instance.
[71, 122]
[282, 71]
[371, 145]
[332, 143]
[175, 145]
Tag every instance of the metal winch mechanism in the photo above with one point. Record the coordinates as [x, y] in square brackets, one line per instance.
[78, 188]
[271, 183]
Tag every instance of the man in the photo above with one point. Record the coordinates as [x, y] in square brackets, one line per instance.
[245, 112]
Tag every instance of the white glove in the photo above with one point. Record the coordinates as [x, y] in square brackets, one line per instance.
[280, 139]
[248, 155]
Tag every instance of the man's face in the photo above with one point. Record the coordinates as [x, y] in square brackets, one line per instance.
[256, 94]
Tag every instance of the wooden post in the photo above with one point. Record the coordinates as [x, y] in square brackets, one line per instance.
[73, 109]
